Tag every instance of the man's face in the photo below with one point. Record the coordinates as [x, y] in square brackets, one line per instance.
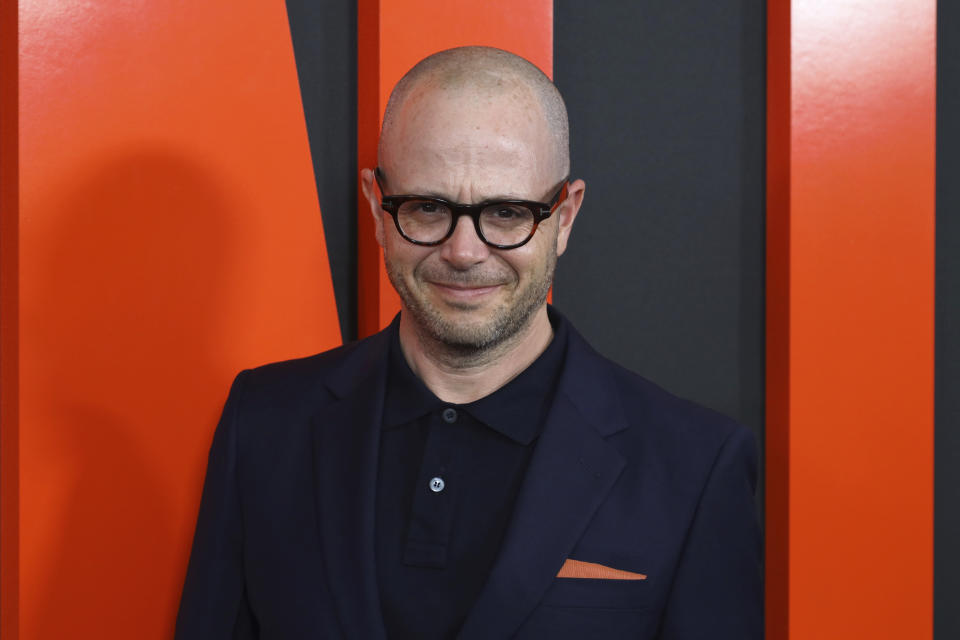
[469, 148]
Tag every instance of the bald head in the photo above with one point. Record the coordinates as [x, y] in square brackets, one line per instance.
[483, 74]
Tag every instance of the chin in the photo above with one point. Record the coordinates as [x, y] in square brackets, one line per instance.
[462, 332]
[475, 329]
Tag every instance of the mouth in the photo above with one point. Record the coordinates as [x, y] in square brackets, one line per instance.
[464, 292]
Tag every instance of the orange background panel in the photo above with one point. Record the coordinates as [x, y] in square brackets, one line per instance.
[169, 235]
[860, 332]
[9, 367]
[393, 36]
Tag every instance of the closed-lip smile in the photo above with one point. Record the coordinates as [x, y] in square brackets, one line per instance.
[460, 290]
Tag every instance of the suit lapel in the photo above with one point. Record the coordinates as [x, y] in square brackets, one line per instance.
[346, 444]
[570, 474]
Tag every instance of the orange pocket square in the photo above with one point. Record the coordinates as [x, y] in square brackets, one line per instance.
[579, 569]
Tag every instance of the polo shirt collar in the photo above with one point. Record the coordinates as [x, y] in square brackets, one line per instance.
[517, 410]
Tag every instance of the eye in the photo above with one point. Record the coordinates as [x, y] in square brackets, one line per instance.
[506, 213]
[424, 209]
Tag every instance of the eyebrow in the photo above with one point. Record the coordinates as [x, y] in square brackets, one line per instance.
[440, 196]
[489, 200]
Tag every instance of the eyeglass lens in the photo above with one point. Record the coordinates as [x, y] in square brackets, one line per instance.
[429, 221]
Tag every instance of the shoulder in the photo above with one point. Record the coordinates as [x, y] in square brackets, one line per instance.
[299, 384]
[657, 426]
[668, 417]
[297, 373]
[272, 409]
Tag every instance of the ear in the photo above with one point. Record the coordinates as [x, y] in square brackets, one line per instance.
[567, 213]
[372, 193]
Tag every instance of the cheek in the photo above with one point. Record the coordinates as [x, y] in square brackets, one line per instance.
[393, 244]
[402, 256]
[536, 254]
[527, 263]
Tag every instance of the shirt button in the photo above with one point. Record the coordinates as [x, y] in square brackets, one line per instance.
[437, 485]
[449, 415]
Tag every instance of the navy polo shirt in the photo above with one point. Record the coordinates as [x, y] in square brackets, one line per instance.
[448, 477]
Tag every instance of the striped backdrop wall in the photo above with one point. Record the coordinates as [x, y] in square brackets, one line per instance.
[770, 228]
[946, 565]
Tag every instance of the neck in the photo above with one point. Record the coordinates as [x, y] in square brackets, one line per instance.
[460, 377]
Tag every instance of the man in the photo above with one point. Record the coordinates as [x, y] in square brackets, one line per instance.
[475, 470]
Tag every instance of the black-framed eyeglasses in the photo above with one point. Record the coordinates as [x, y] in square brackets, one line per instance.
[502, 224]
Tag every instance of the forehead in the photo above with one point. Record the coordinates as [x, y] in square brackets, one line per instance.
[470, 140]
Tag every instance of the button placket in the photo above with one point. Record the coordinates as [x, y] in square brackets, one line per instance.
[434, 500]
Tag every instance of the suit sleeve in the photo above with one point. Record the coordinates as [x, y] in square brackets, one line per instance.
[717, 591]
[213, 605]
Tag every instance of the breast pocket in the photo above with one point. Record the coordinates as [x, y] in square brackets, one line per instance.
[592, 608]
[592, 593]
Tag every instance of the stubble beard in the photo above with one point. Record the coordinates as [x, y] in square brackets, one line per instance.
[468, 341]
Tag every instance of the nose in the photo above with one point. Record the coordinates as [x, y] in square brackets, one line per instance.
[464, 248]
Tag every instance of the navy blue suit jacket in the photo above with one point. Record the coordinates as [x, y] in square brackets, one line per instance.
[624, 475]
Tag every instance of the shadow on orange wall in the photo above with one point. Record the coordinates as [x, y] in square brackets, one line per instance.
[169, 235]
[129, 314]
